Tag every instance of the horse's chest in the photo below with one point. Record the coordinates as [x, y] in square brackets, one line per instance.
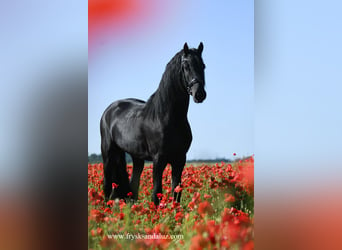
[178, 139]
[171, 139]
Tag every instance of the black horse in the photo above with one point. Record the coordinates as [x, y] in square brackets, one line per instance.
[156, 130]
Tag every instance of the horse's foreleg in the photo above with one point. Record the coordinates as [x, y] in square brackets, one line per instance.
[177, 170]
[158, 169]
[138, 166]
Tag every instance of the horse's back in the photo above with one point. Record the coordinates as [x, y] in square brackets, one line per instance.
[119, 107]
[120, 110]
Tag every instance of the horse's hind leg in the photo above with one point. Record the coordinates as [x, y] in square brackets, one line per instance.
[107, 171]
[107, 177]
[138, 166]
[115, 172]
[120, 175]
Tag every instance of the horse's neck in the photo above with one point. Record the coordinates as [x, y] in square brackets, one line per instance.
[177, 101]
[170, 101]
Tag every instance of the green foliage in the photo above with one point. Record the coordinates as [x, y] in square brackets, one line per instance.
[94, 158]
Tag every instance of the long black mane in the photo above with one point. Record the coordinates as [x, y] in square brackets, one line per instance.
[171, 86]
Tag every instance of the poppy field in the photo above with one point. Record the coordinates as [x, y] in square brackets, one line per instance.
[216, 210]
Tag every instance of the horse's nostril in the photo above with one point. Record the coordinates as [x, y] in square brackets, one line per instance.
[200, 95]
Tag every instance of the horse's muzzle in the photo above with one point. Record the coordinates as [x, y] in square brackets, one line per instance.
[199, 95]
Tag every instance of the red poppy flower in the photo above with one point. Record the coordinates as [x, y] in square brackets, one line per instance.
[205, 208]
[107, 210]
[122, 204]
[224, 244]
[212, 238]
[178, 189]
[196, 197]
[96, 215]
[162, 205]
[198, 242]
[233, 210]
[229, 198]
[191, 205]
[175, 205]
[110, 203]
[130, 194]
[207, 196]
[179, 216]
[114, 185]
[99, 231]
[121, 216]
[249, 245]
[136, 208]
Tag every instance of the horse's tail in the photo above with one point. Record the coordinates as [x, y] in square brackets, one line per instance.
[114, 165]
[105, 137]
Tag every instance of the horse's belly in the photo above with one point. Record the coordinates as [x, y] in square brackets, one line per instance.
[131, 141]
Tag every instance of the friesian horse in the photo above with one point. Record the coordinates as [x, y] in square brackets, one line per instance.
[157, 130]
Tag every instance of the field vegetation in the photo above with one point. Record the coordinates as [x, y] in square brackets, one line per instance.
[216, 210]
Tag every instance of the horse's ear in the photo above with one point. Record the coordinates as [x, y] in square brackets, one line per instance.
[186, 49]
[200, 48]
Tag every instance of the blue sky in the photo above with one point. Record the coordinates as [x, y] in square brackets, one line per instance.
[298, 89]
[131, 65]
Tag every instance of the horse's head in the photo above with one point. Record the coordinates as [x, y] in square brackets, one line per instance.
[193, 72]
